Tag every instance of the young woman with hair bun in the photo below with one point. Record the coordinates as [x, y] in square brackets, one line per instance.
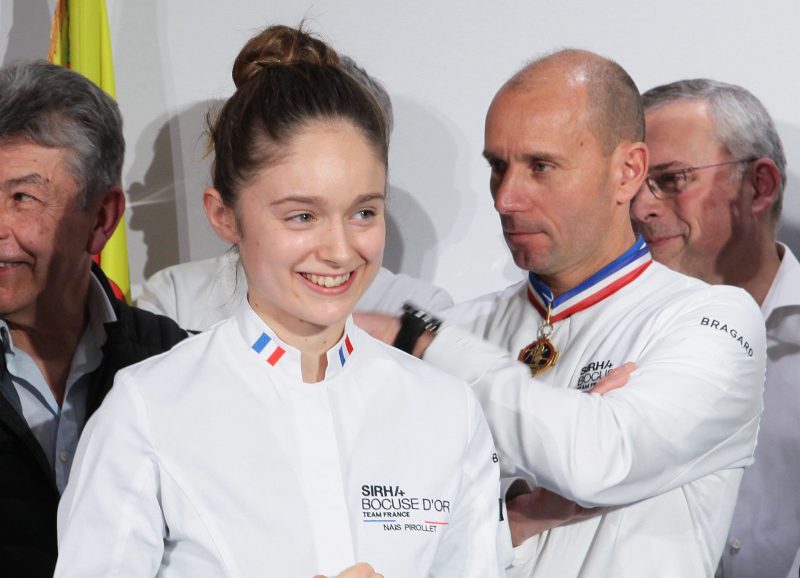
[285, 441]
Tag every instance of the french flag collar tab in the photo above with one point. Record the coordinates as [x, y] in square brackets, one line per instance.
[273, 352]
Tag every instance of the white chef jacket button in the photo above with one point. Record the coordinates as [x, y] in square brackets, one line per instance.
[736, 545]
[63, 455]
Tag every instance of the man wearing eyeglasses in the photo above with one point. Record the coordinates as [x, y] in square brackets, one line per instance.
[656, 464]
[710, 209]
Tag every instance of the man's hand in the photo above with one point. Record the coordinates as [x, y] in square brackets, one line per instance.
[380, 325]
[534, 512]
[360, 570]
[385, 327]
[615, 378]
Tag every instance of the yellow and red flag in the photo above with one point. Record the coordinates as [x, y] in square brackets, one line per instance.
[80, 39]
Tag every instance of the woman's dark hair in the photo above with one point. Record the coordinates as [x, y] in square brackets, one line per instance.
[285, 79]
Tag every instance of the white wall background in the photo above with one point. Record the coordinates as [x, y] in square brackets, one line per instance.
[441, 61]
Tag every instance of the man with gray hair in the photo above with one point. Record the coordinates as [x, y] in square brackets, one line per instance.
[710, 209]
[63, 333]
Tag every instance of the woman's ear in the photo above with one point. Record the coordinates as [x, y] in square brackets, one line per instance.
[221, 217]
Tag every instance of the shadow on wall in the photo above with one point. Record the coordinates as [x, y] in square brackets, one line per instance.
[789, 233]
[158, 202]
[193, 164]
[29, 35]
[153, 203]
[789, 230]
[423, 200]
[409, 233]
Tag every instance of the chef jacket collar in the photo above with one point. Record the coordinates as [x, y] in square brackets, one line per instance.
[276, 355]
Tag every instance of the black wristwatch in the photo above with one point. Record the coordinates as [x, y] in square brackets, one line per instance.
[413, 323]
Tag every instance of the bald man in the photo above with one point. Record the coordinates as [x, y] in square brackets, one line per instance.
[653, 467]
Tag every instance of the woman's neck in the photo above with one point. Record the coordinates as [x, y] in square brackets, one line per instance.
[312, 341]
[313, 366]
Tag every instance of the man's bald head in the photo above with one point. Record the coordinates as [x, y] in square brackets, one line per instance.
[613, 107]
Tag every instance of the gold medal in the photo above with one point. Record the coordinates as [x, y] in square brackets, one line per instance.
[540, 355]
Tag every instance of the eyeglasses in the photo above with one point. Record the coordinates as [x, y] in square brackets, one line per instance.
[670, 183]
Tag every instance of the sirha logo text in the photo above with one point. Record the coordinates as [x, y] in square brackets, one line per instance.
[593, 372]
[389, 507]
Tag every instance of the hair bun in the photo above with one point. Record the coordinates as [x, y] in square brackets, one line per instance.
[280, 45]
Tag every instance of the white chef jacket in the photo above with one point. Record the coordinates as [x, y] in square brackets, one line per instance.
[216, 459]
[198, 294]
[662, 456]
[765, 532]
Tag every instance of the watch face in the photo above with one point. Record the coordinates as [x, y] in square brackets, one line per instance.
[413, 323]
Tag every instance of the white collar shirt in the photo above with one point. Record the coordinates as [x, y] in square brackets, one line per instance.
[765, 533]
[57, 428]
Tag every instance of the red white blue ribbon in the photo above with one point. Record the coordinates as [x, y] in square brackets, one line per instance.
[602, 284]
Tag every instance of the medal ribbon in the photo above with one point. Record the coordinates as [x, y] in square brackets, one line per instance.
[597, 287]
